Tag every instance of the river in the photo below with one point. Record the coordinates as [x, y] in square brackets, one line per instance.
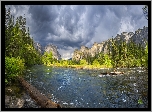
[73, 88]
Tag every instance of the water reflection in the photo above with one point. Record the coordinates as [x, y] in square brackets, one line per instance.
[84, 88]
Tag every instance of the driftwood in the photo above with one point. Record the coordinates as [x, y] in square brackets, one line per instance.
[41, 100]
[116, 73]
[112, 73]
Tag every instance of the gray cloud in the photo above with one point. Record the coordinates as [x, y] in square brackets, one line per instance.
[70, 26]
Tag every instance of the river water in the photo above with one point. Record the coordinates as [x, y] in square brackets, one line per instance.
[73, 88]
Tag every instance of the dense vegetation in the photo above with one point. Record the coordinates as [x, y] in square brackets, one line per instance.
[20, 52]
[13, 68]
[120, 54]
[19, 47]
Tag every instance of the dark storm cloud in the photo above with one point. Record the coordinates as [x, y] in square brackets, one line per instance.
[42, 13]
[48, 20]
[70, 26]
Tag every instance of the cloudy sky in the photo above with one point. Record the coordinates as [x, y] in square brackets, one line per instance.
[69, 27]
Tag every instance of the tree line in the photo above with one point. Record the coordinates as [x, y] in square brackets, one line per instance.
[19, 47]
[121, 54]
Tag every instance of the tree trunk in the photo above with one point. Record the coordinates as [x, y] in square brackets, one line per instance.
[41, 100]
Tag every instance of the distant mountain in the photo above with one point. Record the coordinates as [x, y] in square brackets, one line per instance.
[52, 48]
[140, 36]
[48, 48]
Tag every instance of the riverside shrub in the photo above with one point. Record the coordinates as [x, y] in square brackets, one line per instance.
[13, 68]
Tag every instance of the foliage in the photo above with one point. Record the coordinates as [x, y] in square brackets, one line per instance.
[13, 67]
[127, 54]
[18, 45]
[47, 58]
[83, 62]
[140, 101]
[107, 61]
[120, 54]
[145, 57]
[74, 62]
[100, 58]
[18, 41]
[96, 63]
[65, 62]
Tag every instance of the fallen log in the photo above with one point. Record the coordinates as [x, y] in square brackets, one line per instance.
[41, 99]
[111, 73]
[104, 73]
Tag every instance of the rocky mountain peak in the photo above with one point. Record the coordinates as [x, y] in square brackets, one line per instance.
[48, 48]
[52, 48]
[140, 36]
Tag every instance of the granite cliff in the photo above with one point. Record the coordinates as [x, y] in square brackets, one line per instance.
[52, 48]
[48, 48]
[140, 36]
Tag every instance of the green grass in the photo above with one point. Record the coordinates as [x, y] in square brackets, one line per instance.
[80, 66]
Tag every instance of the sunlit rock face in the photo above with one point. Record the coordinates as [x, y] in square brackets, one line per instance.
[49, 48]
[140, 36]
[52, 48]
[84, 51]
[94, 49]
[124, 36]
[76, 55]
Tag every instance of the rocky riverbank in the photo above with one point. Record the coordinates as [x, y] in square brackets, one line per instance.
[16, 97]
[22, 102]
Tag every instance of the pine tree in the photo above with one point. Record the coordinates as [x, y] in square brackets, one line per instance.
[18, 41]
